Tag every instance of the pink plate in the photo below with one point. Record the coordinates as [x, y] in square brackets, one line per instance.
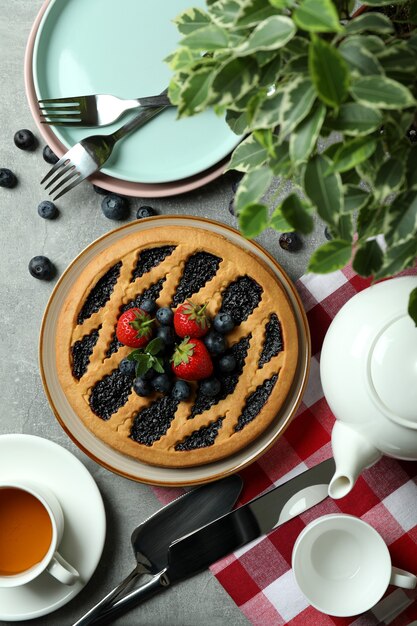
[144, 190]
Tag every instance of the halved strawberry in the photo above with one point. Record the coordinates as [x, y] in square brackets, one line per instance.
[191, 360]
[190, 320]
[134, 328]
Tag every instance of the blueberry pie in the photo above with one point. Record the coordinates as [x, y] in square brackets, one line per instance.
[170, 266]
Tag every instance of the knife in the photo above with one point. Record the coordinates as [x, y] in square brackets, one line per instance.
[194, 552]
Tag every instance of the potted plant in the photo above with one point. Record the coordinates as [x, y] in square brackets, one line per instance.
[289, 73]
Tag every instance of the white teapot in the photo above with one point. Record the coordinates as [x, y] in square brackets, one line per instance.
[368, 371]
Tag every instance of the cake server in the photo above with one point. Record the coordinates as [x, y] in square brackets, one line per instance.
[152, 538]
[199, 549]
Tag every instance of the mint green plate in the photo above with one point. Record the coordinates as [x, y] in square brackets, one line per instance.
[119, 47]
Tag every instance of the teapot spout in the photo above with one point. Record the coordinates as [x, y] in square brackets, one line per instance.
[352, 454]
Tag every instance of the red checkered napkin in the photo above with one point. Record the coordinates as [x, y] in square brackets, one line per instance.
[258, 576]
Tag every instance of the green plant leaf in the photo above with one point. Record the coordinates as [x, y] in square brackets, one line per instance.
[298, 99]
[344, 228]
[402, 219]
[253, 219]
[351, 153]
[324, 191]
[317, 16]
[154, 346]
[398, 258]
[359, 59]
[157, 365]
[297, 214]
[268, 113]
[375, 22]
[252, 187]
[389, 177]
[270, 72]
[224, 13]
[278, 221]
[195, 93]
[329, 73]
[368, 258]
[330, 257]
[252, 12]
[234, 80]
[304, 136]
[356, 119]
[382, 3]
[248, 155]
[190, 20]
[370, 222]
[411, 169]
[398, 58]
[280, 163]
[238, 122]
[373, 43]
[142, 364]
[206, 39]
[271, 34]
[412, 305]
[382, 93]
[355, 198]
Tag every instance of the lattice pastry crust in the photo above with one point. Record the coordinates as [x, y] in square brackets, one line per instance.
[172, 264]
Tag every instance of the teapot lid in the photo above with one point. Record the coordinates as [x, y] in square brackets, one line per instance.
[393, 371]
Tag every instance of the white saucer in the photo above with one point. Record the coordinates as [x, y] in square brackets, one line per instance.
[85, 521]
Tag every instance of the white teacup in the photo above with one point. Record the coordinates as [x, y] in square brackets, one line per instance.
[31, 528]
[343, 566]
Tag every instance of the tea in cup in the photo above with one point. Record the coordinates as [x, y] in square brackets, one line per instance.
[31, 528]
[343, 566]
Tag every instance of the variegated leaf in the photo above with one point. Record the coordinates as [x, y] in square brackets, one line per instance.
[317, 16]
[331, 256]
[368, 258]
[206, 39]
[398, 258]
[374, 22]
[299, 97]
[271, 34]
[356, 119]
[253, 219]
[252, 12]
[190, 20]
[402, 219]
[325, 192]
[359, 59]
[382, 93]
[252, 187]
[224, 12]
[351, 153]
[389, 177]
[248, 155]
[195, 93]
[304, 137]
[234, 79]
[329, 72]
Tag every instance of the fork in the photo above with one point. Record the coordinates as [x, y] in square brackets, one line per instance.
[93, 110]
[90, 154]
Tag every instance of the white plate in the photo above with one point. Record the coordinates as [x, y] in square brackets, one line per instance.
[103, 46]
[116, 461]
[85, 521]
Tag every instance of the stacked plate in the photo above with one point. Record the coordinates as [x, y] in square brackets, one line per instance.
[101, 46]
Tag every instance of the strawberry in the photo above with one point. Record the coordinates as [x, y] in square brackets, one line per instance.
[190, 320]
[134, 328]
[191, 360]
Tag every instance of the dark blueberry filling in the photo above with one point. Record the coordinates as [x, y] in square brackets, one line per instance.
[256, 401]
[150, 258]
[241, 297]
[202, 438]
[198, 270]
[110, 393]
[152, 423]
[152, 293]
[81, 352]
[273, 343]
[228, 381]
[100, 293]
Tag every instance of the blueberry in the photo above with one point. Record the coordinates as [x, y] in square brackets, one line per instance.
[162, 383]
[237, 177]
[145, 211]
[25, 140]
[148, 306]
[290, 241]
[167, 335]
[115, 207]
[100, 190]
[223, 323]
[412, 134]
[165, 316]
[7, 178]
[227, 364]
[149, 374]
[41, 267]
[49, 156]
[215, 343]
[142, 387]
[327, 233]
[210, 387]
[47, 210]
[181, 390]
[127, 367]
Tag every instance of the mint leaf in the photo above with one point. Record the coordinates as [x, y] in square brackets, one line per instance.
[158, 365]
[154, 346]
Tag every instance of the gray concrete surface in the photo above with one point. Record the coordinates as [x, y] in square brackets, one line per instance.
[200, 601]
